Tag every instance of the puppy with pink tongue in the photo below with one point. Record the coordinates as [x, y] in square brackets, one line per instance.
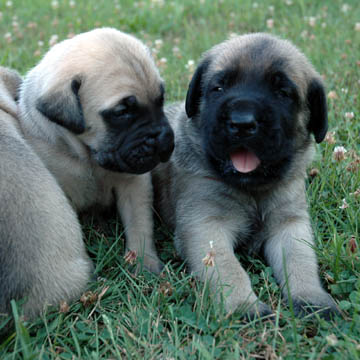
[244, 138]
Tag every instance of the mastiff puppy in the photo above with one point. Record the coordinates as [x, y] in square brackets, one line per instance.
[236, 178]
[42, 254]
[92, 110]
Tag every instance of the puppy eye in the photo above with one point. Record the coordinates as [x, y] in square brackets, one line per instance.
[217, 89]
[285, 93]
[120, 110]
[130, 101]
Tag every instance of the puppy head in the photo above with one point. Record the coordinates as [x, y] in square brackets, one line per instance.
[256, 100]
[104, 88]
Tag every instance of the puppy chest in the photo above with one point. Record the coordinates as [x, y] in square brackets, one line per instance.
[105, 195]
[250, 227]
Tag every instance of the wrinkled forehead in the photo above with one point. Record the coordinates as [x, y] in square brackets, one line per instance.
[258, 57]
[112, 66]
[126, 77]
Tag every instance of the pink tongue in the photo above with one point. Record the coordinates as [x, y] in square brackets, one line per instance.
[244, 161]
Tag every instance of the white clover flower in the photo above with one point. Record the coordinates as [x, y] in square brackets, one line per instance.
[159, 3]
[158, 43]
[8, 37]
[345, 8]
[344, 205]
[162, 61]
[209, 259]
[53, 40]
[55, 4]
[330, 137]
[72, 3]
[270, 23]
[349, 115]
[332, 340]
[40, 43]
[356, 193]
[312, 21]
[130, 257]
[233, 35]
[339, 153]
[190, 65]
[9, 3]
[357, 26]
[332, 95]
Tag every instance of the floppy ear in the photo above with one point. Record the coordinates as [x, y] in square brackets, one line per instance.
[10, 82]
[316, 100]
[194, 93]
[63, 107]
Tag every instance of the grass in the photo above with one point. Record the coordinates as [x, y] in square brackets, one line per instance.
[172, 316]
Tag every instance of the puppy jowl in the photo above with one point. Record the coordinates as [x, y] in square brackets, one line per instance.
[245, 136]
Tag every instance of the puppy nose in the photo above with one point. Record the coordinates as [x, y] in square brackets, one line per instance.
[243, 123]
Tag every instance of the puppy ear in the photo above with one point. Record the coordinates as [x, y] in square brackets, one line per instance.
[10, 82]
[63, 107]
[194, 93]
[316, 100]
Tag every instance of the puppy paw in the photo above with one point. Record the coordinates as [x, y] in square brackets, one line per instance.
[259, 310]
[321, 304]
[152, 264]
[148, 262]
[251, 311]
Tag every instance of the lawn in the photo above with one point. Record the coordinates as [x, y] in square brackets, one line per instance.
[172, 316]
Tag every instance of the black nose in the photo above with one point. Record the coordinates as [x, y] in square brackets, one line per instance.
[243, 123]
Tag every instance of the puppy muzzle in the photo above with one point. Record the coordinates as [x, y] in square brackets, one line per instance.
[140, 154]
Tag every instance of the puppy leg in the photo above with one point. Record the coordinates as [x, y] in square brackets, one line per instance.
[134, 203]
[289, 247]
[42, 254]
[193, 236]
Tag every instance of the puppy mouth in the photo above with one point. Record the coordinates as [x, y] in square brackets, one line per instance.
[244, 161]
[138, 156]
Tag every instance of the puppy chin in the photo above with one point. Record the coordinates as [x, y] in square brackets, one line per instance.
[136, 154]
[135, 161]
[113, 161]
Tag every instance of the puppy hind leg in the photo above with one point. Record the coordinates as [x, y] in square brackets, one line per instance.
[46, 261]
[134, 203]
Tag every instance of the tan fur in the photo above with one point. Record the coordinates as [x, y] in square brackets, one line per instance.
[110, 66]
[42, 258]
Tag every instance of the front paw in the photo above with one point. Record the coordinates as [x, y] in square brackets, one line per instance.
[259, 310]
[250, 310]
[319, 303]
[148, 262]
